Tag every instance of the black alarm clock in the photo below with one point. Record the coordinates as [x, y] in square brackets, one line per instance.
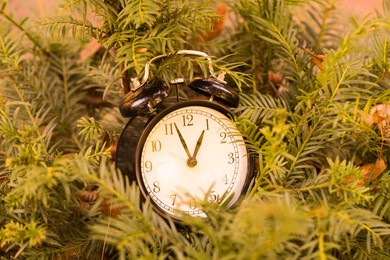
[182, 152]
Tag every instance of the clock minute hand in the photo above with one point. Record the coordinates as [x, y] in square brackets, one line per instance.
[183, 142]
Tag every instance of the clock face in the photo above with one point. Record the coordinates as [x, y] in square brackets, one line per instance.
[189, 153]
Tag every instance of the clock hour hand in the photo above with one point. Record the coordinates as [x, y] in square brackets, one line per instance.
[198, 143]
[192, 162]
[183, 142]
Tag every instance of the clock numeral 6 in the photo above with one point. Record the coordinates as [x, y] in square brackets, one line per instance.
[192, 204]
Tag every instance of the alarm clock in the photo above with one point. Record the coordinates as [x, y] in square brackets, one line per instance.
[182, 152]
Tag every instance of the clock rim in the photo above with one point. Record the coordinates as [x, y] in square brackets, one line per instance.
[150, 125]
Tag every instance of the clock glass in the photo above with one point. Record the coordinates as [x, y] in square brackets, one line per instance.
[190, 152]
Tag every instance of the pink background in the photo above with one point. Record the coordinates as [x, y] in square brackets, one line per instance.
[40, 8]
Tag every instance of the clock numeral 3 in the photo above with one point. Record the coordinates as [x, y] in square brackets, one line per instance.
[231, 158]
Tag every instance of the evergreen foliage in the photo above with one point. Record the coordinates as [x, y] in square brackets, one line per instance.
[312, 86]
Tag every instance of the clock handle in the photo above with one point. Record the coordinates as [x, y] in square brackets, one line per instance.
[142, 101]
[143, 97]
[136, 83]
[215, 89]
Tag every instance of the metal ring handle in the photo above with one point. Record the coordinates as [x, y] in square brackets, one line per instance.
[145, 78]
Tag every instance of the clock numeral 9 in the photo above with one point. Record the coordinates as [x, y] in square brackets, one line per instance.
[187, 120]
[148, 166]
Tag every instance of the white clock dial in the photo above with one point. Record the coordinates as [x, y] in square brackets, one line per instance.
[189, 154]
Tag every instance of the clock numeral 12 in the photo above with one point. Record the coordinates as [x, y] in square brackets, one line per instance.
[187, 120]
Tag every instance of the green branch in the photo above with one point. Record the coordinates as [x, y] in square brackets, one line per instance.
[22, 29]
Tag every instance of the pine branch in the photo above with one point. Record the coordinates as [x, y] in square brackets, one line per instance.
[319, 25]
[139, 13]
[62, 196]
[69, 26]
[156, 26]
[20, 26]
[259, 108]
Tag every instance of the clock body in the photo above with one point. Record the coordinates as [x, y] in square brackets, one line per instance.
[188, 153]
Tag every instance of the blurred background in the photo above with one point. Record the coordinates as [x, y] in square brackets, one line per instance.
[41, 8]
